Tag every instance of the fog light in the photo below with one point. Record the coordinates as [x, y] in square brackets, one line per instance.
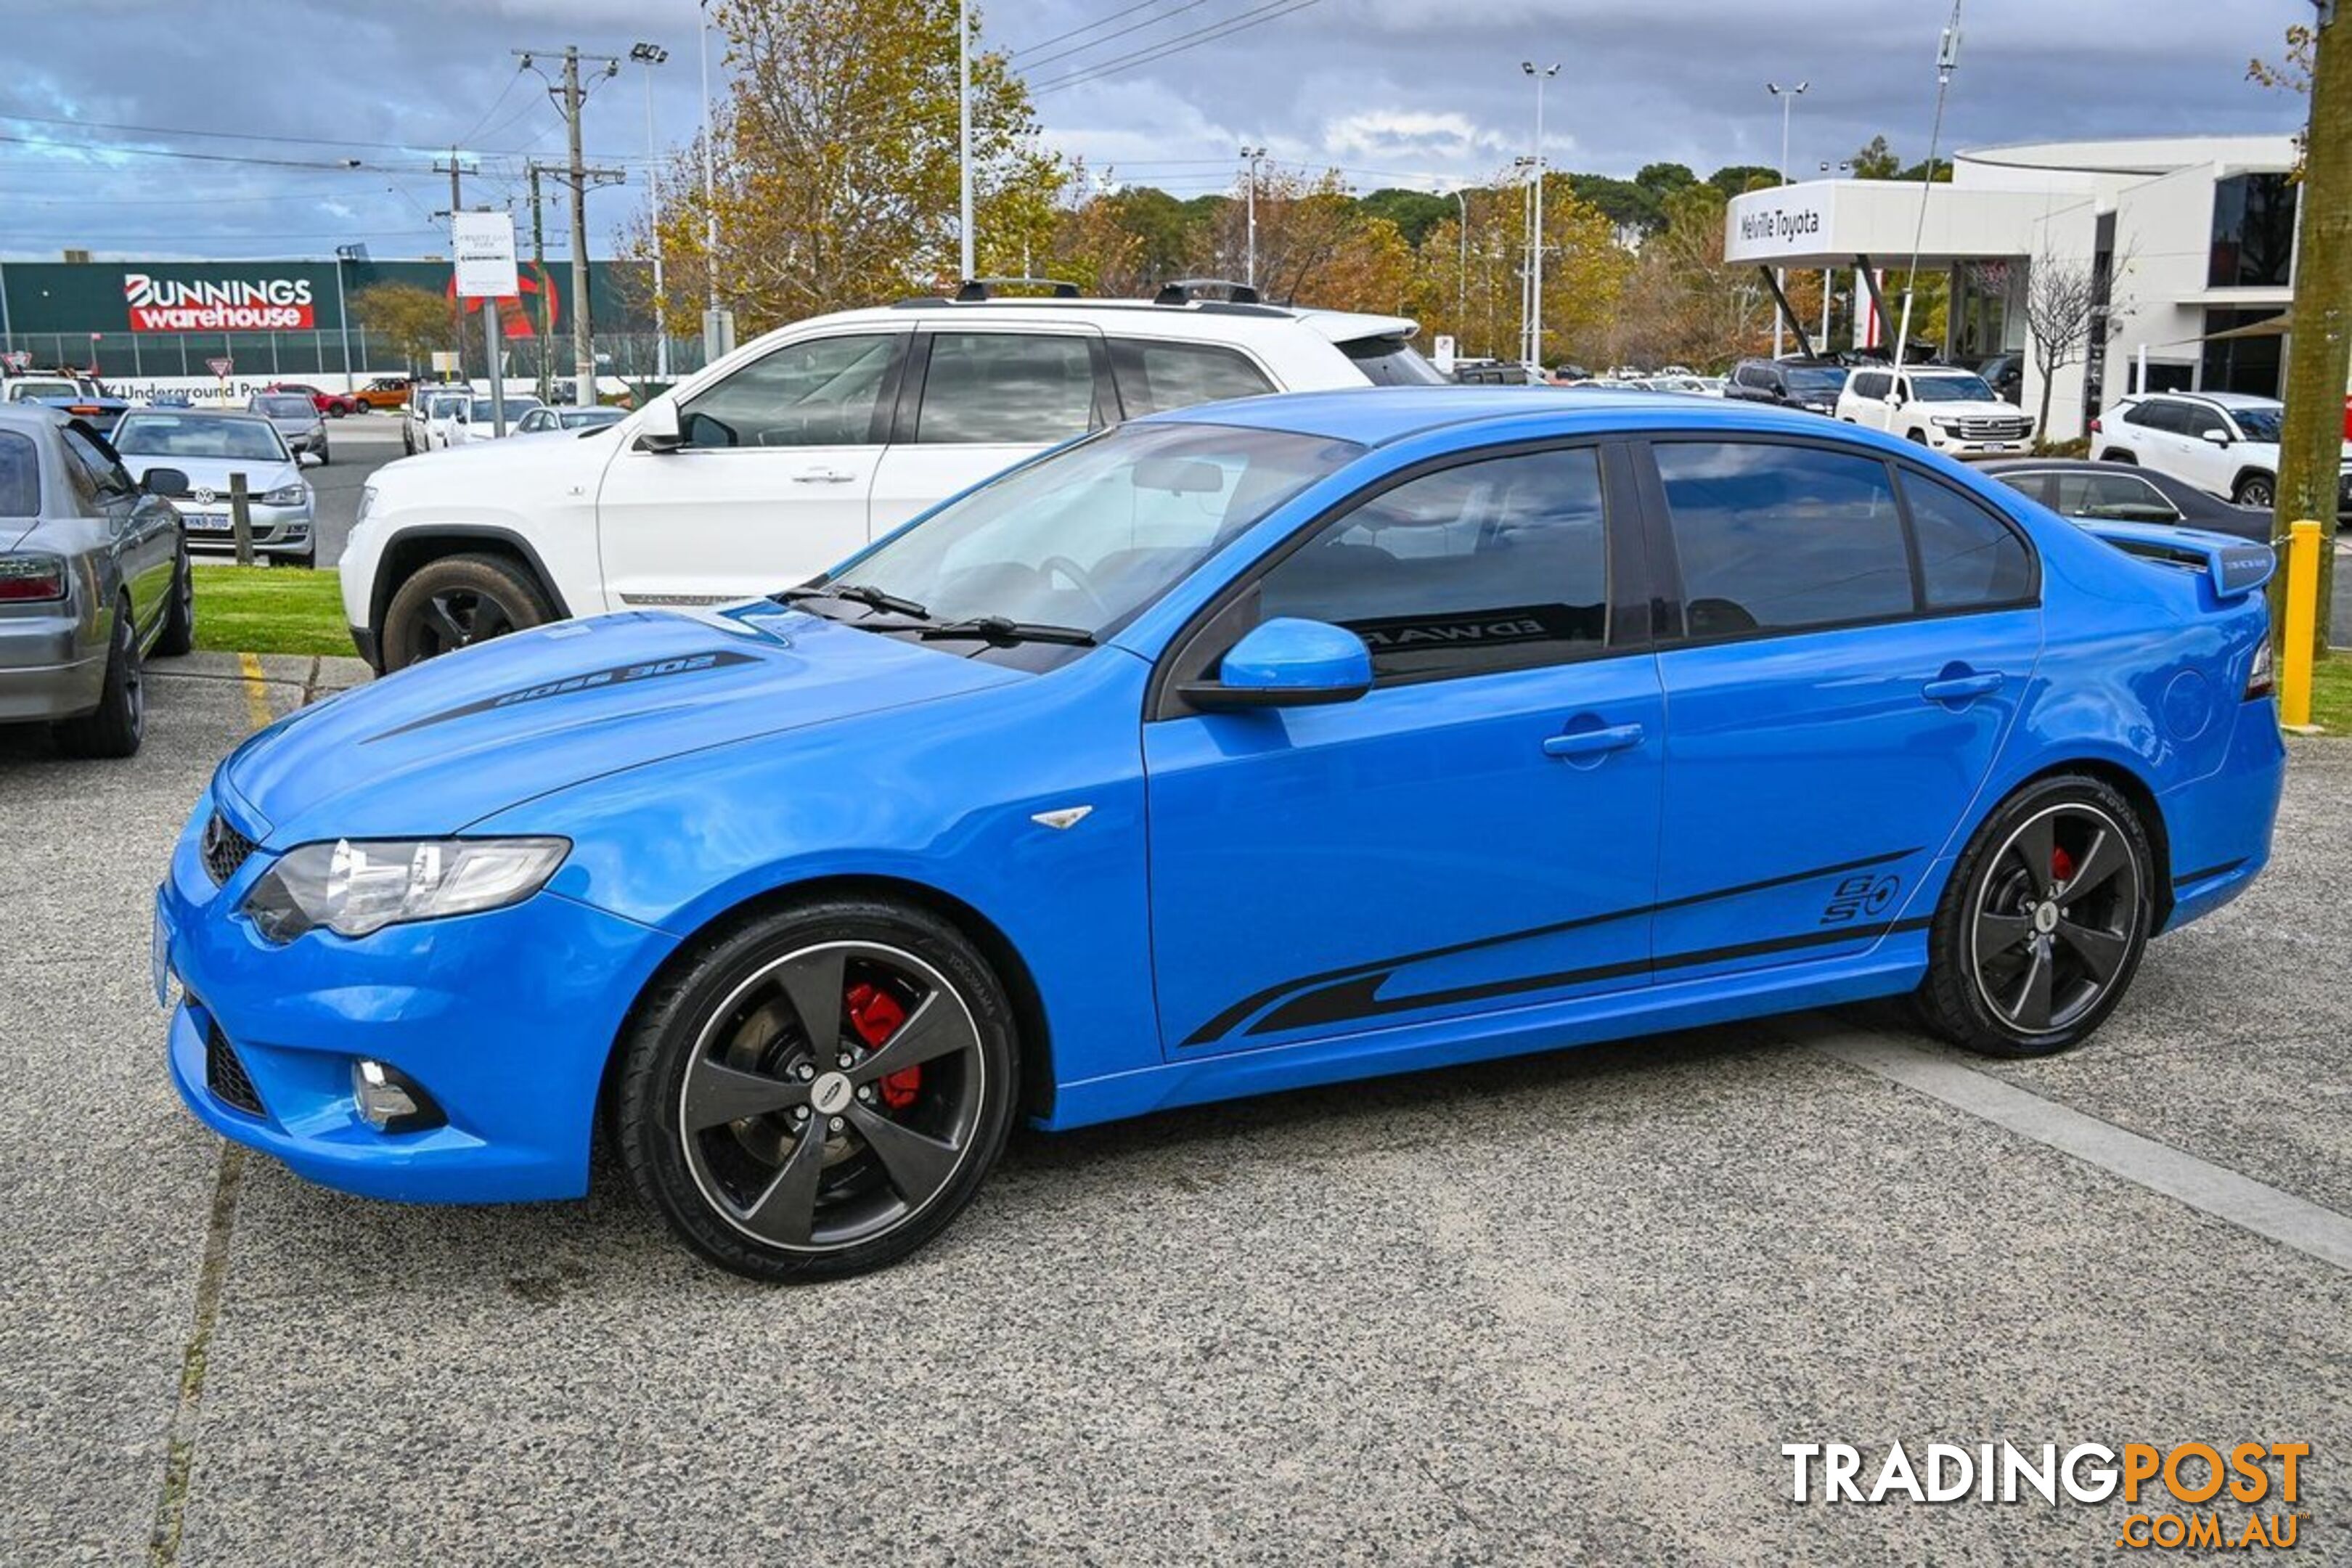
[389, 1101]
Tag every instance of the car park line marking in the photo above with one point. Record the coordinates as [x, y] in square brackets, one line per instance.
[212, 1274]
[2209, 1188]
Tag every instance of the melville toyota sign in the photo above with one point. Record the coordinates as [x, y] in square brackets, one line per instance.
[217, 305]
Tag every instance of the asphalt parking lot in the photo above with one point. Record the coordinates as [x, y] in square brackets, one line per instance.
[1559, 1310]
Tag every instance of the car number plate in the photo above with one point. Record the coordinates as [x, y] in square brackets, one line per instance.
[159, 955]
[205, 522]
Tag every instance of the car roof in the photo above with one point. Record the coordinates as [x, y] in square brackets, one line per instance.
[1339, 326]
[31, 415]
[243, 414]
[1376, 415]
[2217, 399]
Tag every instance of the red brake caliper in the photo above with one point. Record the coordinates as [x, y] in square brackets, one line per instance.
[876, 1015]
[2062, 865]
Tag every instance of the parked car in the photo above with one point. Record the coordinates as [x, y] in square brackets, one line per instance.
[543, 420]
[70, 392]
[1811, 384]
[2005, 373]
[1280, 743]
[1950, 409]
[425, 403]
[1497, 372]
[2223, 442]
[385, 391]
[93, 579]
[333, 405]
[805, 445]
[472, 419]
[296, 419]
[2122, 493]
[203, 448]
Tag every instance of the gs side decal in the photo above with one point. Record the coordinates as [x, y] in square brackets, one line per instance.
[618, 675]
[1859, 898]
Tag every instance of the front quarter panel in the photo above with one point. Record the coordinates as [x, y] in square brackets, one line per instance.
[942, 797]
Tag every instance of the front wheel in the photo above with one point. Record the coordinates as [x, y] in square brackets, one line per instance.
[819, 1091]
[2257, 490]
[457, 602]
[2040, 930]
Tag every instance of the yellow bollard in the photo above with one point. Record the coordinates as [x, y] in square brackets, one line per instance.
[2303, 547]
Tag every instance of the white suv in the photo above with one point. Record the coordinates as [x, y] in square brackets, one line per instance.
[2225, 443]
[799, 447]
[1950, 409]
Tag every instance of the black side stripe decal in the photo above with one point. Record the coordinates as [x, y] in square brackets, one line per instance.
[1225, 1022]
[1351, 1000]
[2188, 877]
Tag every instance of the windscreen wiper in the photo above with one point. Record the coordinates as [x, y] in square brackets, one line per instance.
[859, 594]
[1005, 629]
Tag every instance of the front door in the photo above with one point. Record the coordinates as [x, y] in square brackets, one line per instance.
[770, 485]
[1478, 832]
[1858, 638]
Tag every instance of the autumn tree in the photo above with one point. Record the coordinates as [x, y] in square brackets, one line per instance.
[1315, 245]
[2062, 301]
[837, 162]
[414, 321]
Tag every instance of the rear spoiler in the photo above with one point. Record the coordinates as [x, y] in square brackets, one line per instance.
[2233, 566]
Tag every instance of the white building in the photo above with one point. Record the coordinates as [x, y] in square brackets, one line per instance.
[2192, 237]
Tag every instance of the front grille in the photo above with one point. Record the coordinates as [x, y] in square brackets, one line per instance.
[1994, 429]
[225, 849]
[226, 1075]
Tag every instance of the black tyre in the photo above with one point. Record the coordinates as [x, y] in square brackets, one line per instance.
[322, 450]
[178, 634]
[119, 723]
[1919, 437]
[407, 440]
[2117, 455]
[2257, 490]
[2039, 932]
[818, 1092]
[455, 602]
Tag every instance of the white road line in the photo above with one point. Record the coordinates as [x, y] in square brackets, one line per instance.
[2202, 1184]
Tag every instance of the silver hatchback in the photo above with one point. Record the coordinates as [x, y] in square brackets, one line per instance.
[93, 578]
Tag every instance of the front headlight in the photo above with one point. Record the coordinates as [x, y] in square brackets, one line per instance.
[1943, 422]
[355, 889]
[294, 494]
[367, 504]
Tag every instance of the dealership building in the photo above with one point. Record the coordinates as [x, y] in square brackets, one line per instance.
[2188, 243]
[147, 326]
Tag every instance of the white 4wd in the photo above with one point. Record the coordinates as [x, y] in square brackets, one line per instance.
[1950, 409]
[800, 446]
[2226, 443]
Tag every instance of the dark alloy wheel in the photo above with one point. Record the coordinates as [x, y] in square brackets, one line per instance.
[457, 602]
[178, 634]
[2256, 490]
[820, 1093]
[2044, 921]
[119, 723]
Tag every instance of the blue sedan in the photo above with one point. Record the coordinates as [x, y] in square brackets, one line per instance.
[1272, 743]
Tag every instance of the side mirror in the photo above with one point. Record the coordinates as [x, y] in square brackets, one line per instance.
[1287, 663]
[657, 430]
[163, 482]
[308, 459]
[2219, 437]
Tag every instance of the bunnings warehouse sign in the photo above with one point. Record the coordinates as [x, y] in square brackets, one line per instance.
[256, 304]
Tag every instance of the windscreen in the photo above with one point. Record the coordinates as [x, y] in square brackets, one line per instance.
[288, 407]
[198, 436]
[1951, 389]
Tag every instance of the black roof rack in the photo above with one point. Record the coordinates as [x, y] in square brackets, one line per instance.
[1185, 290]
[985, 288]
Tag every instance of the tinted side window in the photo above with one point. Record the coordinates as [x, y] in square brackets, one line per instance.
[1968, 557]
[1009, 388]
[20, 475]
[2034, 485]
[1487, 565]
[1777, 538]
[2121, 496]
[1750, 375]
[1869, 383]
[105, 471]
[2199, 418]
[2158, 413]
[1152, 375]
[822, 392]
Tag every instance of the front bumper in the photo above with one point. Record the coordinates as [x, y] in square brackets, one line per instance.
[505, 1018]
[51, 667]
[277, 530]
[1954, 444]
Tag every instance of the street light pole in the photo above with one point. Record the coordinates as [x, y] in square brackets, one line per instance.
[718, 326]
[1535, 286]
[1249, 263]
[963, 123]
[342, 314]
[1462, 269]
[1788, 97]
[650, 55]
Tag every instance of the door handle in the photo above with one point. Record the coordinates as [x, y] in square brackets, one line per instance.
[822, 476]
[1960, 687]
[1593, 742]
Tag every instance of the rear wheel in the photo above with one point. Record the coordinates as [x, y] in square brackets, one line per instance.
[119, 723]
[2042, 926]
[457, 602]
[819, 1091]
[2258, 490]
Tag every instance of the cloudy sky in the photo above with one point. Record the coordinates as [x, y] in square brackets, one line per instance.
[269, 104]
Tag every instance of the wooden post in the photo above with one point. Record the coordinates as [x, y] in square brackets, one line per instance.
[241, 519]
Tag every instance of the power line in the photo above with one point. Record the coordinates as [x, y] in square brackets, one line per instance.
[220, 135]
[1271, 11]
[496, 104]
[343, 166]
[1086, 27]
[1116, 33]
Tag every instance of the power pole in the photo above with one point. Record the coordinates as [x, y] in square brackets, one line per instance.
[2311, 442]
[571, 97]
[546, 294]
[457, 306]
[1535, 286]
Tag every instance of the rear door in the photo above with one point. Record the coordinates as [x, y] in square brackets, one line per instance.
[771, 484]
[1855, 638]
[979, 398]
